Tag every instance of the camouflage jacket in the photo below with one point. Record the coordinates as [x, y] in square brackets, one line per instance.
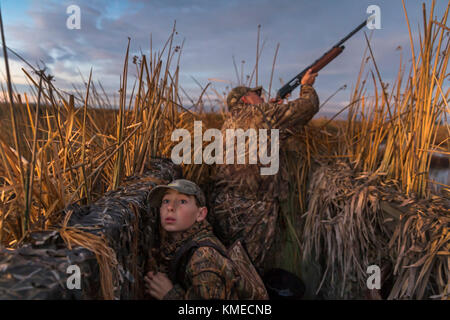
[246, 203]
[208, 274]
[246, 179]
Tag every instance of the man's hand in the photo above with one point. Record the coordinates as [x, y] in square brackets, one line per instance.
[280, 101]
[309, 77]
[157, 284]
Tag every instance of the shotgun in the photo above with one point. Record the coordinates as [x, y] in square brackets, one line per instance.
[317, 65]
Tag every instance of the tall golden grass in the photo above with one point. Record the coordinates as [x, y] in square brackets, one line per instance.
[381, 157]
[407, 118]
[75, 153]
[72, 152]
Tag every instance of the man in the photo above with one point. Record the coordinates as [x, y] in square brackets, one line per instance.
[246, 203]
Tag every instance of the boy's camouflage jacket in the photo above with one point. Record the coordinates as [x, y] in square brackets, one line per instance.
[208, 274]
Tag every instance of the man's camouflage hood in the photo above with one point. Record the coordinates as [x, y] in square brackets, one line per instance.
[237, 93]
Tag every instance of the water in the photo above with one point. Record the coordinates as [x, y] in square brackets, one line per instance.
[439, 170]
[441, 175]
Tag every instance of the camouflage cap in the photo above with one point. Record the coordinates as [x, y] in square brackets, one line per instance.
[182, 186]
[237, 93]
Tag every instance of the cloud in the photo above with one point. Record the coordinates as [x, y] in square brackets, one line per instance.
[214, 31]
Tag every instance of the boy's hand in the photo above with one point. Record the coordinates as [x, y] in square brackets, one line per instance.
[157, 284]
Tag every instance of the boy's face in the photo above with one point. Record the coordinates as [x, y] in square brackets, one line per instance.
[179, 211]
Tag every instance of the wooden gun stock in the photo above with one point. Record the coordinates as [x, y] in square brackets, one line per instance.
[327, 58]
[316, 66]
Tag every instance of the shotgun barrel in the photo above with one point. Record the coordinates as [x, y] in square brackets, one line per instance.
[317, 65]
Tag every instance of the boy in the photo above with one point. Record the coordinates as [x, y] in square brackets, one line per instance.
[208, 274]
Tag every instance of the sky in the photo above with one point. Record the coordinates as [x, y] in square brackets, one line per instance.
[213, 33]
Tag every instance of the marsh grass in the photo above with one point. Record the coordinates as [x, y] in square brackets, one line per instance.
[374, 169]
[74, 148]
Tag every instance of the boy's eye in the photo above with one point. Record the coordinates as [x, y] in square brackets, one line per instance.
[165, 201]
[183, 201]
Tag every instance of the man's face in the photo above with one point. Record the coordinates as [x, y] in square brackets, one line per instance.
[178, 211]
[252, 98]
